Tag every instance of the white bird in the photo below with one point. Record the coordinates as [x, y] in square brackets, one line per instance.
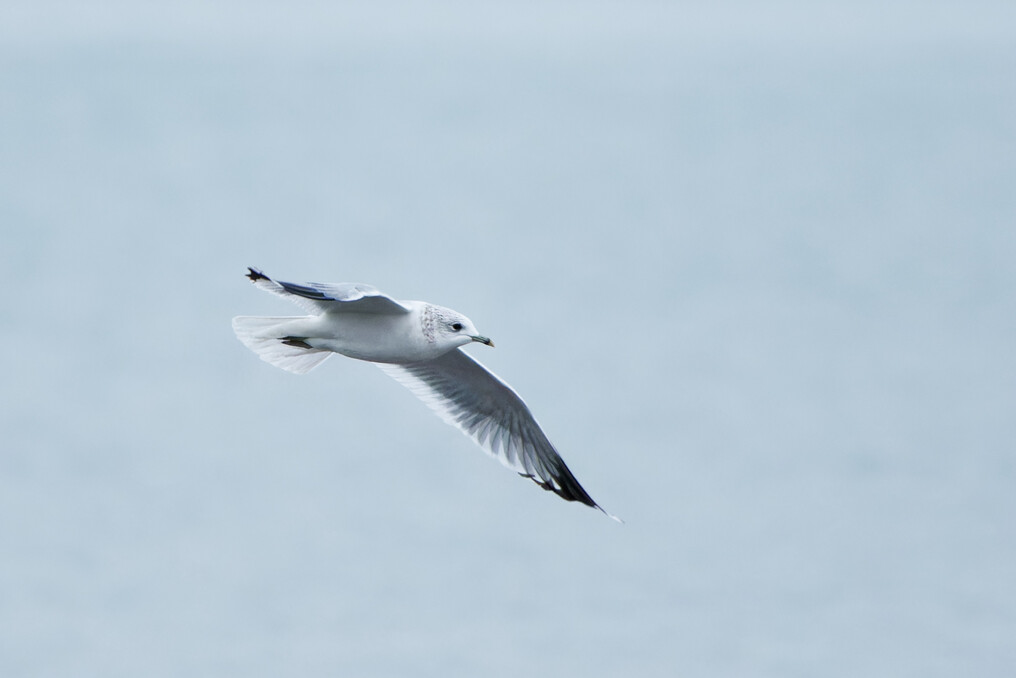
[418, 344]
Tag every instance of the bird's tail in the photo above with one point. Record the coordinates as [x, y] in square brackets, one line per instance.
[267, 337]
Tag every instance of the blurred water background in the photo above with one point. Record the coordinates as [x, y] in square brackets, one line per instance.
[751, 265]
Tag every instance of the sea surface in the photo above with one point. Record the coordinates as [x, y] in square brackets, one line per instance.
[751, 266]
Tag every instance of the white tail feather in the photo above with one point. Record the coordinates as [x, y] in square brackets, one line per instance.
[263, 335]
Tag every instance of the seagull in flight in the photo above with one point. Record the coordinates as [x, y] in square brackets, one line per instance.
[420, 346]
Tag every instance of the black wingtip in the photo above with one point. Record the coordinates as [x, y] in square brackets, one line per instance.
[255, 275]
[568, 488]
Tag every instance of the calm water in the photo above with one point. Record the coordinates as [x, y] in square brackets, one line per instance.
[751, 270]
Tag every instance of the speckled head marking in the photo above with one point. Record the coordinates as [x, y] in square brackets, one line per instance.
[427, 322]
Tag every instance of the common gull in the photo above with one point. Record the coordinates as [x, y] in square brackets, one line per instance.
[419, 345]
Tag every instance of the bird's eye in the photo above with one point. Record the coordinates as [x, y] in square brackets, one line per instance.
[456, 326]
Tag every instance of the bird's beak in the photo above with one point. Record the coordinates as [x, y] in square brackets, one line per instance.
[482, 340]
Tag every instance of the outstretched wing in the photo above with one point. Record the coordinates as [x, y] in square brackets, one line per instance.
[338, 297]
[465, 394]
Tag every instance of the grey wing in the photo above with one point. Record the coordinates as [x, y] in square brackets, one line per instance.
[465, 394]
[319, 297]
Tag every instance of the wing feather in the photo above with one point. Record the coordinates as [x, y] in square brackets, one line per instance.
[334, 297]
[470, 397]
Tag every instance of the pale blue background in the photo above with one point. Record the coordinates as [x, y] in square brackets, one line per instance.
[751, 264]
